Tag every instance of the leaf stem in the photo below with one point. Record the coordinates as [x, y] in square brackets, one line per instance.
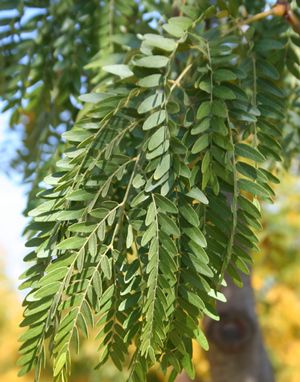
[234, 208]
[179, 78]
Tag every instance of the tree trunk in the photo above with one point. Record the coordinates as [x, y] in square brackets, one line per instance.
[237, 352]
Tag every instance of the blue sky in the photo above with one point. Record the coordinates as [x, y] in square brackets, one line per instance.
[12, 222]
[12, 202]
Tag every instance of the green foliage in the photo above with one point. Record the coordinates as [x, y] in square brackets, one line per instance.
[155, 193]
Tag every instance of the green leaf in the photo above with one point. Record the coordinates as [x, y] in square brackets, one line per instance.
[157, 138]
[267, 70]
[97, 284]
[196, 235]
[206, 86]
[59, 364]
[253, 188]
[204, 110]
[249, 152]
[168, 225]
[217, 295]
[129, 238]
[129, 302]
[249, 207]
[166, 205]
[120, 70]
[92, 245]
[162, 167]
[151, 213]
[157, 152]
[247, 170]
[201, 339]
[47, 290]
[224, 92]
[54, 275]
[85, 227]
[106, 267]
[99, 213]
[224, 75]
[73, 242]
[192, 298]
[187, 363]
[272, 178]
[92, 97]
[138, 181]
[160, 42]
[200, 144]
[32, 332]
[152, 61]
[148, 234]
[151, 81]
[219, 109]
[79, 195]
[190, 215]
[139, 198]
[154, 119]
[182, 21]
[177, 25]
[193, 260]
[201, 127]
[150, 103]
[197, 194]
[266, 44]
[174, 30]
[76, 135]
[69, 215]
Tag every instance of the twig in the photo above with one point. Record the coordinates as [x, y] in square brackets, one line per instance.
[179, 78]
[281, 9]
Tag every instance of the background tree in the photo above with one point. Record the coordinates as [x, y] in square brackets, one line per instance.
[152, 194]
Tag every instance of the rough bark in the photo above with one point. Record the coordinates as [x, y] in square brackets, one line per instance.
[237, 352]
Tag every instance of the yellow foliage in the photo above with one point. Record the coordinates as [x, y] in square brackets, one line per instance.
[10, 315]
[276, 280]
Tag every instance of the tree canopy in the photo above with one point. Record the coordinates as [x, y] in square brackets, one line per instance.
[150, 132]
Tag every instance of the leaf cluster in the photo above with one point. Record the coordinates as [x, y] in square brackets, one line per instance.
[156, 192]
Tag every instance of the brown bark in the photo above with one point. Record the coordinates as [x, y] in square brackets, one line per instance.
[237, 352]
[183, 378]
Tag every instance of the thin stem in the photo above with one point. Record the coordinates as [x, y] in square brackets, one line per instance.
[211, 72]
[179, 78]
[250, 20]
[111, 7]
[293, 20]
[123, 203]
[157, 268]
[281, 9]
[234, 208]
[255, 141]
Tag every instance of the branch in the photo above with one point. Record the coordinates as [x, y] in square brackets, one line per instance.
[293, 20]
[281, 9]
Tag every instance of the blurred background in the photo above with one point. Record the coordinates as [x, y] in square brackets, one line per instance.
[276, 281]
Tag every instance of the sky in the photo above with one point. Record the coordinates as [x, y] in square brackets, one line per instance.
[12, 203]
[12, 222]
